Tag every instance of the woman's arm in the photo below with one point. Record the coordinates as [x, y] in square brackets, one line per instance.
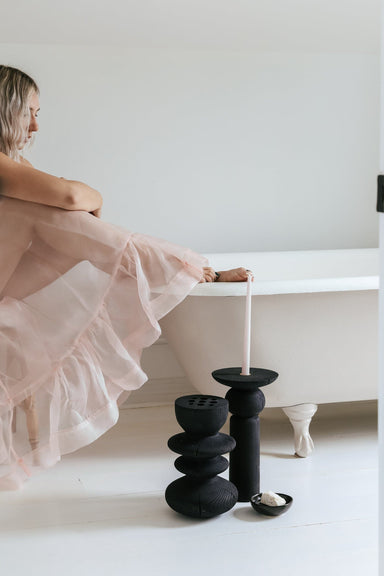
[22, 181]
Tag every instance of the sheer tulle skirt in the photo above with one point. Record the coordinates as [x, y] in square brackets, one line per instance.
[79, 300]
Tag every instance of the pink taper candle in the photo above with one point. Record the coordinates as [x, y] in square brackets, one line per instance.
[247, 329]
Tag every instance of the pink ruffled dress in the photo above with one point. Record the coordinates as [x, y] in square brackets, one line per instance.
[79, 300]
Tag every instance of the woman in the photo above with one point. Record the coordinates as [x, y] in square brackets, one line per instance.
[79, 300]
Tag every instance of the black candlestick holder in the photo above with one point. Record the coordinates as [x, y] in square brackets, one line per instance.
[246, 401]
[201, 493]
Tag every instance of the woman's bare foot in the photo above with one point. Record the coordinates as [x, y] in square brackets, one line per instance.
[234, 275]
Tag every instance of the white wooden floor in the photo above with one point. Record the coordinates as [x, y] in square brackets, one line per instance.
[101, 511]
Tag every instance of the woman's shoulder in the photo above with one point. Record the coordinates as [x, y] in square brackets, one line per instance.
[25, 162]
[4, 158]
[7, 161]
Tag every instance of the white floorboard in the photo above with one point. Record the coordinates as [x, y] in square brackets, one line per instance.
[101, 511]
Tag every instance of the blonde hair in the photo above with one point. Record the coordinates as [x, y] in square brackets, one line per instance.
[16, 88]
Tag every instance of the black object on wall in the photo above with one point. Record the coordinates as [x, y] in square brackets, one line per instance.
[246, 401]
[201, 493]
[380, 193]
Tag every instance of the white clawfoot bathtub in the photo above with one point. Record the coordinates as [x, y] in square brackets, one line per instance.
[314, 321]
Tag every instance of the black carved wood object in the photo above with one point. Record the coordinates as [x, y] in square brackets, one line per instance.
[246, 401]
[201, 493]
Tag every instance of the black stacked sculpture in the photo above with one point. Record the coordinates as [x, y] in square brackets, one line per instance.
[246, 401]
[201, 493]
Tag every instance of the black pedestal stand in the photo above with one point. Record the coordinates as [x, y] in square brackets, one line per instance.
[201, 493]
[246, 401]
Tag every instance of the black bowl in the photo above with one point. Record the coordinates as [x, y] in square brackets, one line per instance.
[271, 510]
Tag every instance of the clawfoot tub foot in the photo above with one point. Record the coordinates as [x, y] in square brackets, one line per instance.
[300, 417]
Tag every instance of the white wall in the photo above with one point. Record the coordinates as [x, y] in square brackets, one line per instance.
[216, 150]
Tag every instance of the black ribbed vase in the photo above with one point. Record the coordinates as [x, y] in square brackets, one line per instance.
[246, 401]
[201, 493]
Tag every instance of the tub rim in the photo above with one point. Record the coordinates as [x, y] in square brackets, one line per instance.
[293, 286]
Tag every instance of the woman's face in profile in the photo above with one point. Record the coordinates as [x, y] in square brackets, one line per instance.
[31, 120]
